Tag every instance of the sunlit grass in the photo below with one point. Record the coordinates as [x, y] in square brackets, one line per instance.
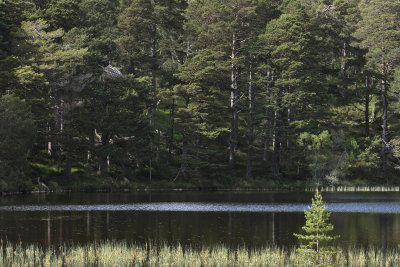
[122, 254]
[357, 189]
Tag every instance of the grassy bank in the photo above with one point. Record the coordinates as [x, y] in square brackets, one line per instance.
[121, 254]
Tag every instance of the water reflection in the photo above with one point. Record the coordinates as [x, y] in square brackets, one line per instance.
[235, 219]
[353, 207]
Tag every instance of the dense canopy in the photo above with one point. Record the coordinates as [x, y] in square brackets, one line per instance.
[203, 92]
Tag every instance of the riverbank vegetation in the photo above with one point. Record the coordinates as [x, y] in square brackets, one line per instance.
[121, 254]
[198, 94]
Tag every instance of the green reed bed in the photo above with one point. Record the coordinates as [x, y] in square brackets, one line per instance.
[356, 189]
[122, 254]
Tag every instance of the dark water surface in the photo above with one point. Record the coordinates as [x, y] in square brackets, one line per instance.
[195, 218]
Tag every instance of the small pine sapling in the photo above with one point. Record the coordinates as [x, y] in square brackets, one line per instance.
[315, 248]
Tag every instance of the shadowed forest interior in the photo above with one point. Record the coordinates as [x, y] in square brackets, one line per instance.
[198, 93]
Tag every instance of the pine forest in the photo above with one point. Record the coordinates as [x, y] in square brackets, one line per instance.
[102, 94]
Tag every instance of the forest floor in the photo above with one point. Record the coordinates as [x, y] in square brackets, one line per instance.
[53, 177]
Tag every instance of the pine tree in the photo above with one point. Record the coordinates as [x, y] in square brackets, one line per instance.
[316, 238]
[296, 88]
[151, 45]
[12, 13]
[96, 33]
[378, 31]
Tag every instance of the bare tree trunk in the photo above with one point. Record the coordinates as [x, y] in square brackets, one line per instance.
[343, 66]
[274, 135]
[268, 124]
[288, 133]
[249, 172]
[367, 91]
[153, 82]
[234, 103]
[185, 146]
[153, 86]
[267, 141]
[197, 142]
[277, 139]
[158, 146]
[68, 163]
[286, 143]
[91, 144]
[171, 130]
[59, 115]
[58, 123]
[68, 139]
[151, 147]
[385, 138]
[105, 139]
[185, 155]
[48, 141]
[344, 54]
[108, 163]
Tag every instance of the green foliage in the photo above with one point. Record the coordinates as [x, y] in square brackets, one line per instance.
[63, 13]
[315, 248]
[293, 87]
[379, 32]
[318, 150]
[115, 110]
[17, 135]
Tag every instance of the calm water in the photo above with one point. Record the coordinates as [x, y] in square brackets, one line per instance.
[195, 218]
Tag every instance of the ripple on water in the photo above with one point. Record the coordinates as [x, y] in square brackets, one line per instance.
[349, 207]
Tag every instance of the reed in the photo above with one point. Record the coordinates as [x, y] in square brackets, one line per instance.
[355, 189]
[112, 253]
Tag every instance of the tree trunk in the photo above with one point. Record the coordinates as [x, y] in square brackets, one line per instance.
[344, 54]
[267, 141]
[68, 163]
[385, 138]
[91, 144]
[288, 133]
[249, 172]
[277, 138]
[171, 130]
[108, 163]
[105, 139]
[234, 104]
[48, 139]
[153, 86]
[154, 89]
[343, 67]
[268, 123]
[185, 155]
[153, 48]
[158, 146]
[367, 91]
[68, 139]
[58, 124]
[151, 147]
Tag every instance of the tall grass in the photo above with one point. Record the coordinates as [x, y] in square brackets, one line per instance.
[356, 189]
[121, 254]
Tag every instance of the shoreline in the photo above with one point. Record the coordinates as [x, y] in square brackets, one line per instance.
[349, 189]
[121, 253]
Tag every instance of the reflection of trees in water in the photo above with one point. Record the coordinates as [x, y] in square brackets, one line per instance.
[384, 231]
[88, 224]
[48, 229]
[194, 228]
